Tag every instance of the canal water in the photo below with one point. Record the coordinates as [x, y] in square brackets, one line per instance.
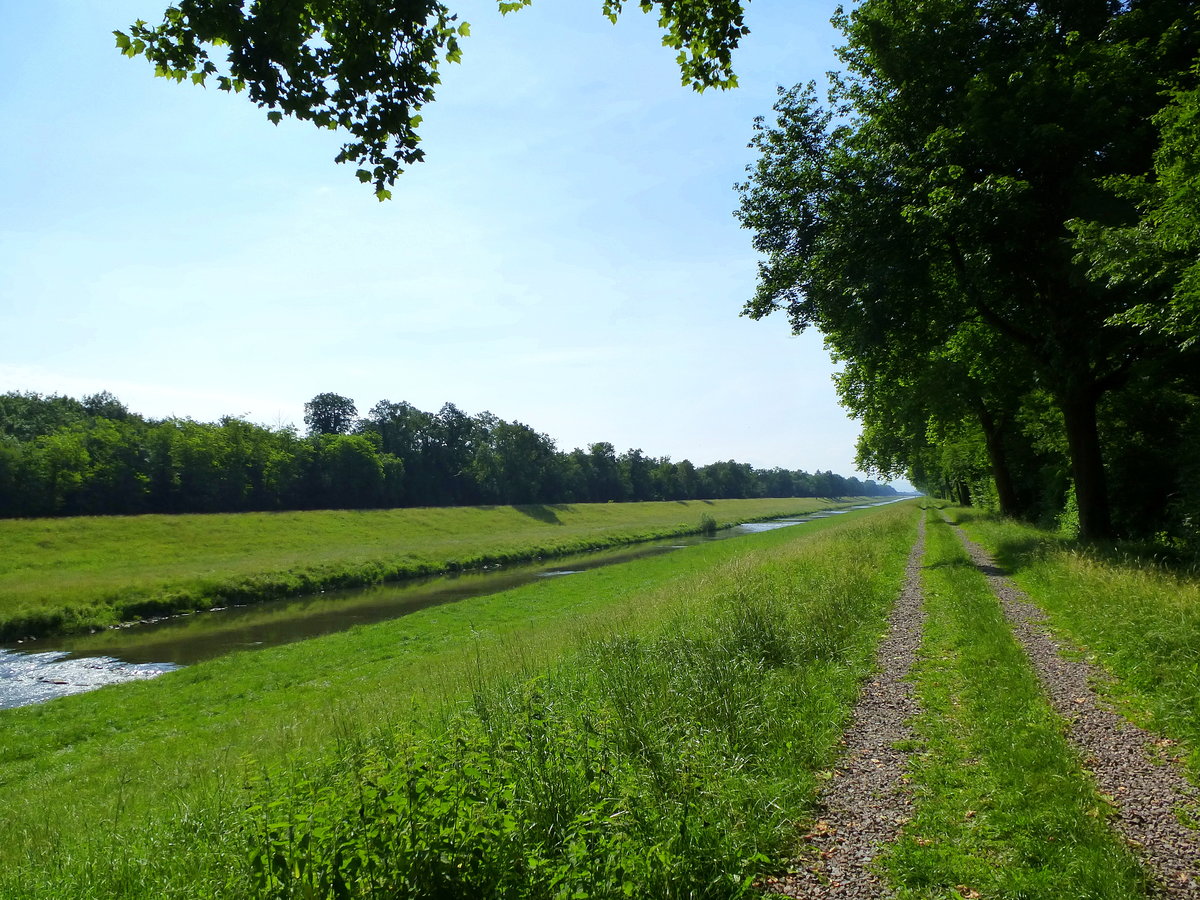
[34, 671]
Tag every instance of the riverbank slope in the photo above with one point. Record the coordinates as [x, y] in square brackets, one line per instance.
[59, 576]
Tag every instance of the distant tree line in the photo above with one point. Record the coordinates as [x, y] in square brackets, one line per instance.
[61, 456]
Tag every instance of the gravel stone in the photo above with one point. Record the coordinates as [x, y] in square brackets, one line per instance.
[1145, 786]
[866, 800]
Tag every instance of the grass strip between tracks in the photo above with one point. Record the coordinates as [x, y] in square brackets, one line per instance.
[1003, 809]
[655, 725]
[1135, 617]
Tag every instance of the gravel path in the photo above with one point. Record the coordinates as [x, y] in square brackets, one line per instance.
[865, 802]
[1128, 764]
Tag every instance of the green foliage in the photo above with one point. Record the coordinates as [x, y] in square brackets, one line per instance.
[1068, 519]
[538, 802]
[922, 219]
[1177, 216]
[25, 416]
[367, 67]
[1156, 257]
[63, 457]
[329, 413]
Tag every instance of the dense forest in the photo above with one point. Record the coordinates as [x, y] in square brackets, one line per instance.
[994, 219]
[62, 456]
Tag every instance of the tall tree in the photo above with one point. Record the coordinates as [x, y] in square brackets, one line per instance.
[942, 198]
[969, 381]
[517, 465]
[635, 475]
[454, 439]
[605, 473]
[329, 414]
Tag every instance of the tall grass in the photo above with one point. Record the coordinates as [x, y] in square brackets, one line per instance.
[672, 765]
[1136, 617]
[657, 730]
[68, 575]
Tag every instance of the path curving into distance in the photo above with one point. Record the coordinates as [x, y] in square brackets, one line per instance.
[1145, 789]
[865, 802]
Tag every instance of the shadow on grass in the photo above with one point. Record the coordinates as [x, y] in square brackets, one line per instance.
[953, 564]
[542, 512]
[1142, 554]
[1015, 553]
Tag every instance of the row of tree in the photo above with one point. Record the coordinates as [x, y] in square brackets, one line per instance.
[994, 219]
[61, 456]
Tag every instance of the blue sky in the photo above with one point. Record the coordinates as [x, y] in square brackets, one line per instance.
[566, 257]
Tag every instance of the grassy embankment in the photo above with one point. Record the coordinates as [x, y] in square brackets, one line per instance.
[68, 575]
[1135, 617]
[1003, 808]
[658, 724]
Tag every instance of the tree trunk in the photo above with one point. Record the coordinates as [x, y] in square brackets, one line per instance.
[964, 493]
[1078, 404]
[993, 436]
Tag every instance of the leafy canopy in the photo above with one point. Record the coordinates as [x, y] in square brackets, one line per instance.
[367, 67]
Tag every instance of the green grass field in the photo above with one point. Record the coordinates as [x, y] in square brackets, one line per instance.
[655, 728]
[704, 689]
[70, 575]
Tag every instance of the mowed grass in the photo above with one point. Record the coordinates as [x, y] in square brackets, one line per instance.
[1002, 806]
[1136, 618]
[709, 685]
[75, 574]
